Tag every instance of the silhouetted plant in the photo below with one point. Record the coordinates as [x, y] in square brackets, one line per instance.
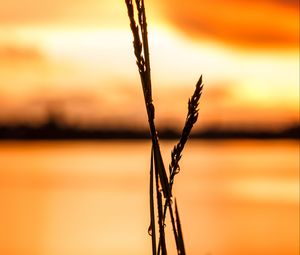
[160, 184]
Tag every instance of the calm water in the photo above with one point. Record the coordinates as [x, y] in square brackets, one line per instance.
[88, 198]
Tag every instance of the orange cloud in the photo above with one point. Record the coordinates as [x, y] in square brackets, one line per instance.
[240, 22]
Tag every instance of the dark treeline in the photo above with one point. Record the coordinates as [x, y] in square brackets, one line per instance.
[54, 131]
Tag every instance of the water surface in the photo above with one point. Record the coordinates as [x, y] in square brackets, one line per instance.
[79, 198]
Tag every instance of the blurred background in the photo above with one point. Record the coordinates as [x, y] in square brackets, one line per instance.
[68, 82]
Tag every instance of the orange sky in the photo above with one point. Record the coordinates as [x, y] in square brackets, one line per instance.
[75, 58]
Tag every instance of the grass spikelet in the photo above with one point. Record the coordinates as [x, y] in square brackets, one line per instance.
[191, 119]
[138, 47]
[144, 31]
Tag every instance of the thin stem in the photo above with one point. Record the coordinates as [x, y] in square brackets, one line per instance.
[151, 229]
[160, 216]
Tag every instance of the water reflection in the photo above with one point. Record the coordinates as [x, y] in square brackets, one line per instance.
[91, 197]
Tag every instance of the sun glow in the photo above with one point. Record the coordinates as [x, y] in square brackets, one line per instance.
[57, 56]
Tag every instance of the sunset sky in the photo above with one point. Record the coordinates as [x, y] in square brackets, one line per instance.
[75, 59]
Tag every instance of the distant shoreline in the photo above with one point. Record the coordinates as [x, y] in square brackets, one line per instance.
[52, 131]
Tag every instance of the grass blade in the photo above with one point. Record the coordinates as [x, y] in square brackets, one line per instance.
[180, 249]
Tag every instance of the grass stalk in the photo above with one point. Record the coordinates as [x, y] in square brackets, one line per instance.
[140, 51]
[151, 229]
[160, 218]
[176, 153]
[163, 184]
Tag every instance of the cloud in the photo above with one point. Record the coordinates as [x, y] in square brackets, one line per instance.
[272, 23]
